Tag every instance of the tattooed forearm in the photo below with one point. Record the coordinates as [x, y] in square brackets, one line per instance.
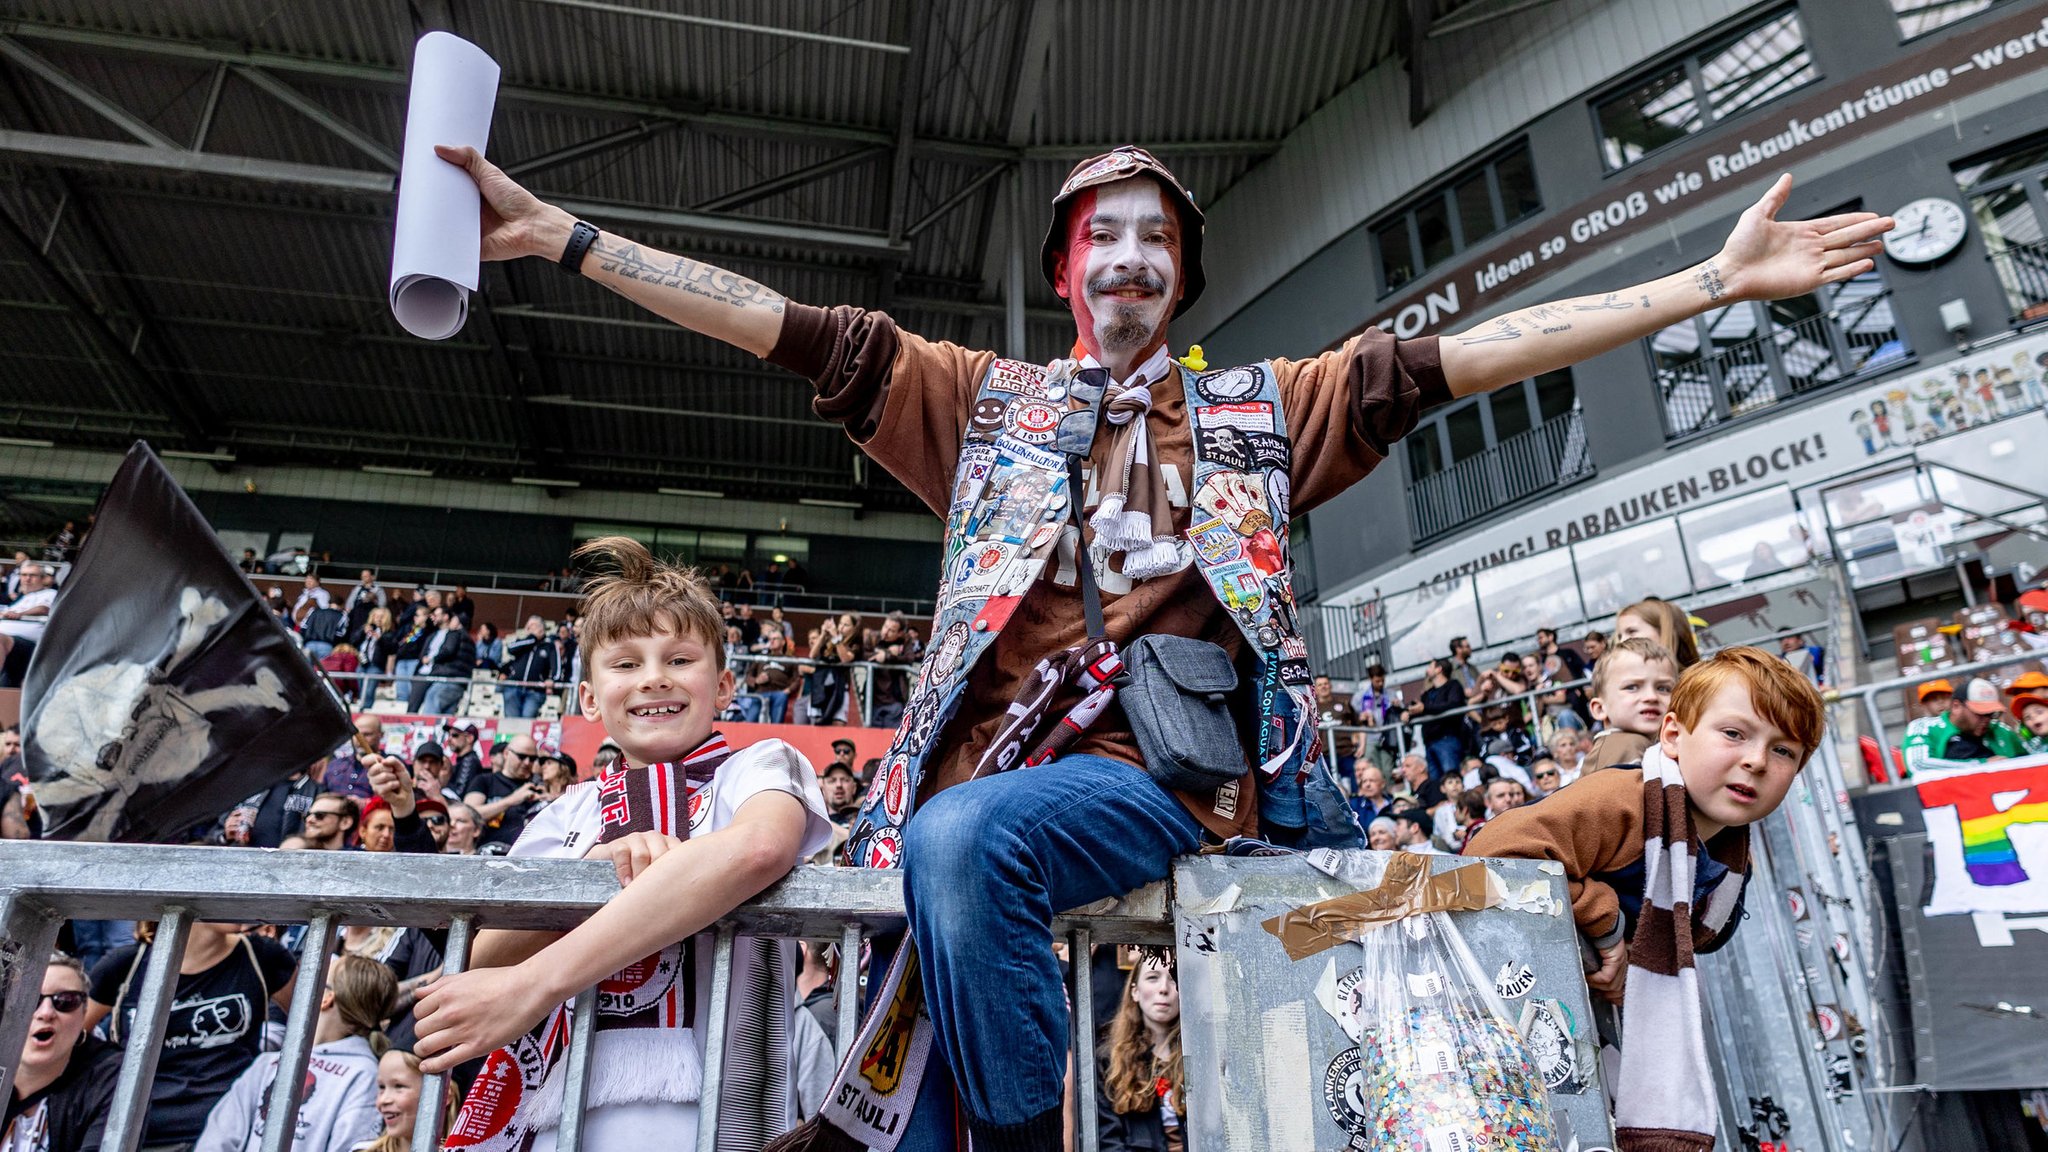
[1503, 329]
[1709, 280]
[1613, 303]
[627, 261]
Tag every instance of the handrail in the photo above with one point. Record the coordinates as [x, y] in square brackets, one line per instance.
[44, 883]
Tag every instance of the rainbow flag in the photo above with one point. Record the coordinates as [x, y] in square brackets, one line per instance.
[1988, 852]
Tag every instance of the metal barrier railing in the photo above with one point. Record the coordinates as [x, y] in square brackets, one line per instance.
[43, 884]
[1867, 694]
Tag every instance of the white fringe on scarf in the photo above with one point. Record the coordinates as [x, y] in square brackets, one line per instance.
[628, 1066]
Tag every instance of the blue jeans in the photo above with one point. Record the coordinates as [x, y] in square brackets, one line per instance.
[318, 650]
[401, 675]
[1444, 753]
[523, 703]
[775, 705]
[748, 707]
[366, 688]
[442, 699]
[986, 864]
[96, 938]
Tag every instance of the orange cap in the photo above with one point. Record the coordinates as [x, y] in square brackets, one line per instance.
[2020, 703]
[1933, 686]
[2027, 682]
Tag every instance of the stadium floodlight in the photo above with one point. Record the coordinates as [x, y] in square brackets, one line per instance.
[394, 470]
[26, 442]
[545, 482]
[817, 502]
[700, 493]
[218, 456]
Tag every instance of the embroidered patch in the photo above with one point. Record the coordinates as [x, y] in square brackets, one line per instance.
[885, 848]
[1031, 457]
[895, 787]
[1235, 498]
[1228, 386]
[1238, 587]
[1256, 416]
[1225, 804]
[1233, 447]
[1262, 550]
[1033, 421]
[951, 649]
[987, 418]
[1215, 541]
[1018, 379]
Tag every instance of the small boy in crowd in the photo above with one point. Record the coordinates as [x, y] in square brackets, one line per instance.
[1741, 727]
[693, 828]
[2032, 713]
[1631, 691]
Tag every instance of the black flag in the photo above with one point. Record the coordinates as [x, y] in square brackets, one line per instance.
[163, 691]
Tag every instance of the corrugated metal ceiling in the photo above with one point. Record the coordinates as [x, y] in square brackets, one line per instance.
[243, 313]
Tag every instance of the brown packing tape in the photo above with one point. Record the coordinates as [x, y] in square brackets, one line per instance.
[1407, 889]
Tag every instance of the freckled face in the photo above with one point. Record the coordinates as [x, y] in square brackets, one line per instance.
[1120, 273]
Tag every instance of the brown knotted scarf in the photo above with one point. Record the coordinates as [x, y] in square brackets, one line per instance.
[1133, 516]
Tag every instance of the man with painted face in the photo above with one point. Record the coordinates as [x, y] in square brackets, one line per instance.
[1191, 482]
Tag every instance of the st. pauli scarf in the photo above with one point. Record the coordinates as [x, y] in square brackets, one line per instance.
[1664, 1097]
[1133, 516]
[519, 1092]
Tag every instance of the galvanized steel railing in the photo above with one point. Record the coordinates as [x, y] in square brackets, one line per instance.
[44, 884]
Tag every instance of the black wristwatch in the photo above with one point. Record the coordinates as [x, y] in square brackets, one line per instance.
[581, 237]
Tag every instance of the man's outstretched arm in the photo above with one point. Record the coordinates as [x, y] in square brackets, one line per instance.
[1764, 259]
[696, 295]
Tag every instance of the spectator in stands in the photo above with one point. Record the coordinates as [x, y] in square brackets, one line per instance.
[1971, 729]
[1141, 1100]
[346, 772]
[892, 644]
[59, 546]
[339, 1110]
[568, 657]
[251, 563]
[1563, 665]
[1664, 622]
[464, 766]
[841, 789]
[1631, 693]
[312, 595]
[376, 646]
[825, 673]
[1595, 645]
[64, 1081]
[557, 774]
[13, 589]
[529, 657]
[1500, 736]
[1548, 775]
[365, 597]
[22, 622]
[330, 824]
[1369, 797]
[1417, 784]
[399, 1081]
[1380, 834]
[772, 678]
[490, 650]
[1412, 830]
[265, 819]
[1332, 708]
[1934, 697]
[1564, 748]
[405, 656]
[1460, 664]
[226, 983]
[465, 830]
[1810, 660]
[750, 628]
[779, 622]
[2032, 713]
[449, 656]
[1443, 738]
[507, 797]
[377, 827]
[461, 606]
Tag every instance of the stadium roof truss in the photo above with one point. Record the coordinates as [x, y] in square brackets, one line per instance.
[196, 198]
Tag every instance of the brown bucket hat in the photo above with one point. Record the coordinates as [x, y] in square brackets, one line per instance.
[1118, 164]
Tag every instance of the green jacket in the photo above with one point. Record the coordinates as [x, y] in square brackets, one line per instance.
[1927, 739]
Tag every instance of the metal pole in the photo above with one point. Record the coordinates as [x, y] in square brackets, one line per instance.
[129, 1113]
[285, 1086]
[28, 934]
[1082, 1056]
[714, 1040]
[1013, 275]
[426, 1129]
[576, 1088]
[846, 989]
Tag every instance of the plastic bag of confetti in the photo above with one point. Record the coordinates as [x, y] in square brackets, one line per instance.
[1439, 1066]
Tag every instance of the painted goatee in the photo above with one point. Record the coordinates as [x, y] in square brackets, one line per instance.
[1126, 326]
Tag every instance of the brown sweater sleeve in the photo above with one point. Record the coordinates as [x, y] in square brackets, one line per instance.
[903, 399]
[1593, 826]
[1347, 408]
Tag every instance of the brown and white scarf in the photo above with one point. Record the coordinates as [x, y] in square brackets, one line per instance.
[1133, 515]
[1664, 1097]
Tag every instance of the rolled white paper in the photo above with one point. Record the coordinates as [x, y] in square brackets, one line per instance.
[435, 253]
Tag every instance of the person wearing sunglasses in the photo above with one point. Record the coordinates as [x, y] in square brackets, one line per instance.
[330, 822]
[64, 1082]
[1548, 775]
[507, 797]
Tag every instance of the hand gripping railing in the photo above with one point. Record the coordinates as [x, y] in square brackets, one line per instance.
[44, 884]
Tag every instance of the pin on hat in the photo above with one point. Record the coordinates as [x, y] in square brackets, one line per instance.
[1933, 687]
[1981, 697]
[1121, 164]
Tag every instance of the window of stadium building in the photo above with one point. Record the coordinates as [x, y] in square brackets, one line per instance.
[1455, 215]
[1918, 17]
[1489, 451]
[1752, 67]
[1746, 357]
[2006, 195]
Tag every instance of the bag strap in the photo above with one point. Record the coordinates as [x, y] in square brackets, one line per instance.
[1091, 599]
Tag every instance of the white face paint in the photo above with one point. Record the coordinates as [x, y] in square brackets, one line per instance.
[1122, 269]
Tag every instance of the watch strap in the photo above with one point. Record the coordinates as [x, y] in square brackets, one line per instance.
[581, 237]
